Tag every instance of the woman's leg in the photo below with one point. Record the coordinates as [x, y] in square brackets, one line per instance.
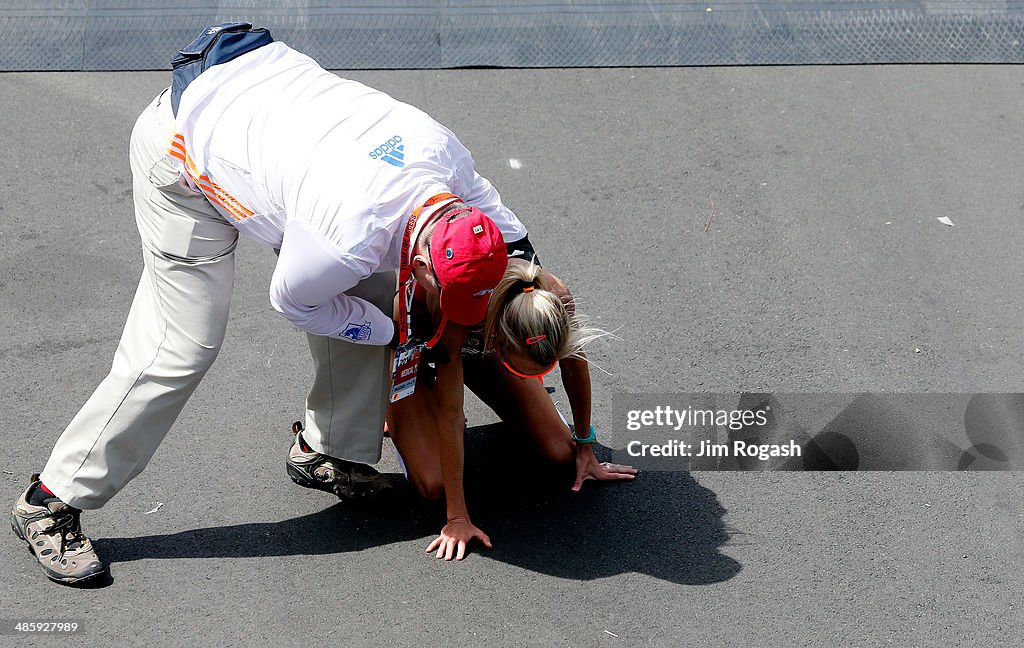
[522, 403]
[412, 423]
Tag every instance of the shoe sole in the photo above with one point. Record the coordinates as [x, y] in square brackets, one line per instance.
[344, 493]
[303, 480]
[55, 577]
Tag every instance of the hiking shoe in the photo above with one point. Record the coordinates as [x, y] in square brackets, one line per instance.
[54, 535]
[350, 481]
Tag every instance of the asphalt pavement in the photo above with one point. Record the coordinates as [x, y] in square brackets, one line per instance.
[756, 229]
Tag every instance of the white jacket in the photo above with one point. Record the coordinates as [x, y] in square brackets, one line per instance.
[326, 169]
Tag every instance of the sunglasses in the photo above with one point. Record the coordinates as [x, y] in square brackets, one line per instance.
[539, 376]
[432, 271]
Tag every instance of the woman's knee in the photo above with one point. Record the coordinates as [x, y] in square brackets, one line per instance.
[429, 487]
[559, 451]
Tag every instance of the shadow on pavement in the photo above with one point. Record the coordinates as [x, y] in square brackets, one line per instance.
[898, 432]
[663, 524]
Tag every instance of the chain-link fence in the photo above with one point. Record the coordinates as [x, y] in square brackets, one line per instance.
[140, 35]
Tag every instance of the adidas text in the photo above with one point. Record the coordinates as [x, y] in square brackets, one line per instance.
[391, 151]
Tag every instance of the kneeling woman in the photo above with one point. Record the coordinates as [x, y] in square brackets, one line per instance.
[530, 329]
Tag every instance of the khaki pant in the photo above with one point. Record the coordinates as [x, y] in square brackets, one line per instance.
[175, 329]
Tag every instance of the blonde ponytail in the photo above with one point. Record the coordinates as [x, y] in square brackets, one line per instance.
[525, 318]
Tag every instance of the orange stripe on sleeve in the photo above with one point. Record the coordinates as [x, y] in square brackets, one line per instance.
[213, 191]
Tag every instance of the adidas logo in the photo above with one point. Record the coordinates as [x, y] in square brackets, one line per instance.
[390, 151]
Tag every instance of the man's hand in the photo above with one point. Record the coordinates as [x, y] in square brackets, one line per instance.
[587, 467]
[454, 538]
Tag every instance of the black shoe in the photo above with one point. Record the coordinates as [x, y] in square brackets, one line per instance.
[351, 482]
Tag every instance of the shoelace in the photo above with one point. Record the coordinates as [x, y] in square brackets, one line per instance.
[70, 527]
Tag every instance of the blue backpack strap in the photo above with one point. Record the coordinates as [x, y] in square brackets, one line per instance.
[217, 44]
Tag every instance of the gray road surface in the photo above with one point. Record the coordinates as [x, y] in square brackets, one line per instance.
[824, 270]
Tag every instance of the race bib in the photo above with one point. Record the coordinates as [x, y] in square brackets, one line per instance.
[404, 368]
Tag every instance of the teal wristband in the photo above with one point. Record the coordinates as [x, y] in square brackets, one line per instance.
[592, 438]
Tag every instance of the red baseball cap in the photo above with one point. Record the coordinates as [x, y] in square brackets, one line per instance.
[468, 255]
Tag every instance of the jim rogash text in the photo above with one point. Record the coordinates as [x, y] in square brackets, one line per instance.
[706, 448]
